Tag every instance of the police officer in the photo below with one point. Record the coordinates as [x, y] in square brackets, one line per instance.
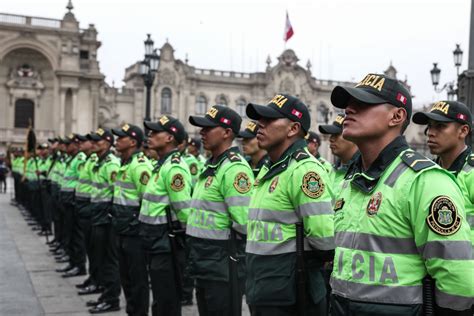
[314, 142]
[190, 160]
[257, 156]
[219, 204]
[398, 218]
[194, 148]
[131, 180]
[104, 248]
[448, 125]
[68, 188]
[167, 198]
[344, 150]
[82, 223]
[292, 188]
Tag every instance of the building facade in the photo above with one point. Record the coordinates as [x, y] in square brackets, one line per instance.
[50, 79]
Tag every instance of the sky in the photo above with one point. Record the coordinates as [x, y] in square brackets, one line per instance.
[343, 39]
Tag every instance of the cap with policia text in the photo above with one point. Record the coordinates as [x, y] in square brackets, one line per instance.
[374, 89]
[69, 139]
[102, 134]
[282, 106]
[168, 124]
[129, 130]
[218, 115]
[335, 128]
[250, 131]
[445, 111]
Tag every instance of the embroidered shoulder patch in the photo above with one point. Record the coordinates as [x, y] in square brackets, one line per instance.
[144, 177]
[416, 161]
[193, 168]
[313, 185]
[443, 218]
[177, 182]
[176, 158]
[242, 182]
[234, 157]
[470, 160]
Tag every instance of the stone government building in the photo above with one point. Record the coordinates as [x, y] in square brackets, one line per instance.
[49, 72]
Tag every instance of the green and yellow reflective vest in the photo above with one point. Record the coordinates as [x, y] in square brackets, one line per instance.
[132, 178]
[463, 169]
[195, 167]
[291, 190]
[169, 188]
[84, 181]
[396, 222]
[71, 172]
[326, 165]
[219, 203]
[104, 173]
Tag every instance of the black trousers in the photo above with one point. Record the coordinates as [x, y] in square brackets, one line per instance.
[319, 309]
[188, 281]
[77, 245]
[166, 300]
[213, 297]
[133, 274]
[85, 225]
[104, 250]
[68, 212]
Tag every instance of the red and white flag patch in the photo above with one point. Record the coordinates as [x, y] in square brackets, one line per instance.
[461, 116]
[225, 121]
[402, 98]
[296, 113]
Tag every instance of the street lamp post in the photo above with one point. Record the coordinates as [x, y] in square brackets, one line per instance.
[451, 87]
[147, 69]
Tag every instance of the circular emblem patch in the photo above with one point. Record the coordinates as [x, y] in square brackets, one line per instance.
[273, 185]
[374, 204]
[144, 177]
[177, 183]
[113, 176]
[208, 182]
[242, 182]
[443, 218]
[313, 185]
[193, 168]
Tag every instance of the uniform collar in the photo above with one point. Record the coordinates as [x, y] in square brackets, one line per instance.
[162, 160]
[459, 162]
[367, 180]
[282, 163]
[135, 153]
[339, 166]
[102, 158]
[212, 168]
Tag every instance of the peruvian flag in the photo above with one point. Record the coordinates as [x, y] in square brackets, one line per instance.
[402, 98]
[225, 121]
[288, 29]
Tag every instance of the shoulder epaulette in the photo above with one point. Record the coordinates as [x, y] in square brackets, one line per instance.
[176, 158]
[234, 157]
[141, 157]
[416, 161]
[470, 160]
[108, 158]
[300, 154]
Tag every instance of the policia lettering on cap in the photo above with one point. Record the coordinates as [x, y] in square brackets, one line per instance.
[448, 125]
[290, 191]
[399, 217]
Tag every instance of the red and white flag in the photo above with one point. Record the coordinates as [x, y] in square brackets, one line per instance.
[288, 29]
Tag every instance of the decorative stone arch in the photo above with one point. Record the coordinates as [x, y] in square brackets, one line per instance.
[201, 107]
[222, 99]
[240, 105]
[50, 55]
[166, 100]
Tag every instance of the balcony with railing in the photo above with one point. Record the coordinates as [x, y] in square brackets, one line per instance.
[14, 19]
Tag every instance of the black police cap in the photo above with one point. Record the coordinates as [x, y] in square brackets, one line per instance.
[374, 89]
[129, 130]
[250, 131]
[168, 124]
[218, 115]
[282, 106]
[102, 134]
[335, 128]
[445, 111]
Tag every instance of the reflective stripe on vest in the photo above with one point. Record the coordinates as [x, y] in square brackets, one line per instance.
[216, 207]
[120, 200]
[126, 185]
[155, 220]
[374, 243]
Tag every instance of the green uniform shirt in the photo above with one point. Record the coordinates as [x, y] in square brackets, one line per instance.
[219, 203]
[71, 172]
[132, 178]
[293, 189]
[463, 170]
[339, 171]
[84, 181]
[396, 222]
[169, 188]
[195, 167]
[104, 173]
[327, 166]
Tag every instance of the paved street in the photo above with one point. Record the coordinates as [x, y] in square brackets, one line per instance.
[28, 283]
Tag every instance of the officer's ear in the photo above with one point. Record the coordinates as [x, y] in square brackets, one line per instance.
[295, 130]
[398, 117]
[464, 131]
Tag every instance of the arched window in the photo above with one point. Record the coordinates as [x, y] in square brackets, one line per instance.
[166, 101]
[241, 104]
[201, 104]
[24, 113]
[221, 100]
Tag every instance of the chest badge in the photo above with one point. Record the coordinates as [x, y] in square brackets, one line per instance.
[242, 183]
[374, 204]
[208, 182]
[124, 175]
[273, 185]
[313, 185]
[339, 205]
[193, 168]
